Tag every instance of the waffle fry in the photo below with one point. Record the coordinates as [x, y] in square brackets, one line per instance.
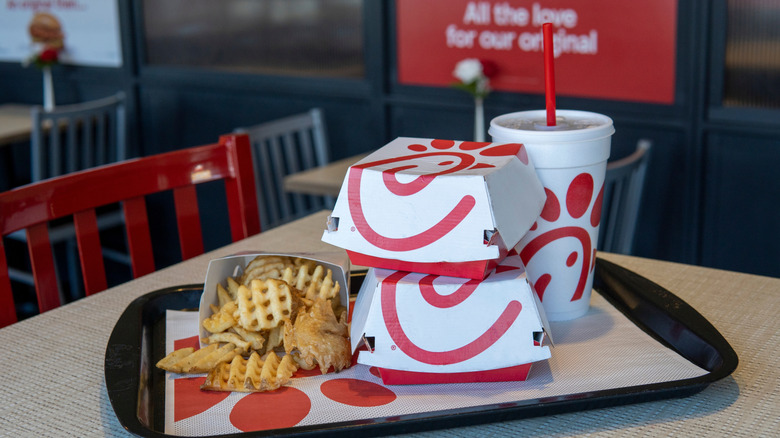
[232, 288]
[228, 337]
[224, 353]
[223, 295]
[278, 303]
[167, 363]
[275, 338]
[224, 377]
[263, 268]
[222, 319]
[265, 306]
[251, 375]
[256, 339]
[198, 361]
[300, 262]
[313, 283]
[270, 374]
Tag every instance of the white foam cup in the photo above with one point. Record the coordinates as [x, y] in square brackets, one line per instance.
[570, 159]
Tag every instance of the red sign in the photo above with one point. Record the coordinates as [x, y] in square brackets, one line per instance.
[606, 49]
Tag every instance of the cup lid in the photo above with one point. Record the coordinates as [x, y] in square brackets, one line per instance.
[560, 146]
[571, 126]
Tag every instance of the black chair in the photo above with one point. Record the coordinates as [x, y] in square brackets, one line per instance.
[282, 147]
[623, 189]
[67, 139]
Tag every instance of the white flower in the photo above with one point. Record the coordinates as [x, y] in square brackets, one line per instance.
[468, 70]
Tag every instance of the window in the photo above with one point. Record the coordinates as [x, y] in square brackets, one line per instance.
[312, 38]
[752, 70]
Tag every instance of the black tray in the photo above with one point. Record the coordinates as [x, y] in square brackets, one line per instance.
[137, 391]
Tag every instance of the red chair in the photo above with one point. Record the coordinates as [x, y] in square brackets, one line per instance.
[78, 194]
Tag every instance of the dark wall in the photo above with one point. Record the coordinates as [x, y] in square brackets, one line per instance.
[741, 214]
[710, 199]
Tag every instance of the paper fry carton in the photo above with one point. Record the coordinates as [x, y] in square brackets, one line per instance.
[233, 266]
[423, 328]
[436, 206]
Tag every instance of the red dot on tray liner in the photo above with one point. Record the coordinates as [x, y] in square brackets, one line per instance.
[192, 341]
[189, 400]
[308, 373]
[356, 392]
[288, 407]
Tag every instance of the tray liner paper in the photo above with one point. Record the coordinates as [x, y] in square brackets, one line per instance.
[601, 350]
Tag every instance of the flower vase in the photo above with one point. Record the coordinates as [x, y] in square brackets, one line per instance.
[479, 120]
[48, 89]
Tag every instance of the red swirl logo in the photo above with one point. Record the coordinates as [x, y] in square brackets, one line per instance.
[579, 197]
[468, 351]
[453, 161]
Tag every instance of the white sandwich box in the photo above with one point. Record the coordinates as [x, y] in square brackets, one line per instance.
[442, 207]
[421, 328]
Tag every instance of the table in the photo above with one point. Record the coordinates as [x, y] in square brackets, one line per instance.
[53, 363]
[15, 123]
[325, 180]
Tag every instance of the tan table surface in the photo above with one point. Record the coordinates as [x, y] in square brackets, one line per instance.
[15, 123]
[325, 180]
[53, 382]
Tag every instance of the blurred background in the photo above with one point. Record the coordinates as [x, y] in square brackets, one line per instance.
[195, 69]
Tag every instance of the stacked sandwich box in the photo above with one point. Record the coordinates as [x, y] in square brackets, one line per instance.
[446, 299]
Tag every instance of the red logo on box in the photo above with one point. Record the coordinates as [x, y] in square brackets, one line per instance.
[438, 148]
[465, 352]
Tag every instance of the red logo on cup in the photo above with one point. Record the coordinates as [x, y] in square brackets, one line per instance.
[579, 197]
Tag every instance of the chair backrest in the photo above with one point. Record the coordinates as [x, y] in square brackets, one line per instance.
[279, 148]
[32, 206]
[623, 188]
[76, 137]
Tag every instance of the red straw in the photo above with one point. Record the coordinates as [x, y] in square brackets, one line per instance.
[549, 73]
